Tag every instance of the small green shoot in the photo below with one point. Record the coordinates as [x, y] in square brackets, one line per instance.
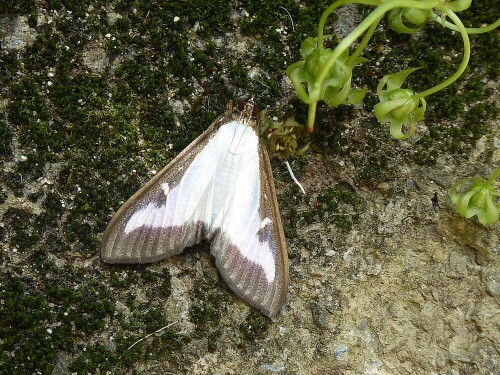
[480, 199]
[398, 106]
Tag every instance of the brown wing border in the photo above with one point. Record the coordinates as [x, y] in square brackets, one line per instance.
[267, 184]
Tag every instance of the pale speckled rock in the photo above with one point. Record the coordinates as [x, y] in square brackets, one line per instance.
[15, 33]
[348, 19]
[62, 363]
[95, 58]
[391, 217]
[484, 354]
[491, 280]
[460, 348]
[273, 367]
[484, 240]
[487, 316]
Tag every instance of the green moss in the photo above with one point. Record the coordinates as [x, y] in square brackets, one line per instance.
[458, 138]
[93, 359]
[158, 285]
[156, 121]
[141, 77]
[19, 6]
[339, 205]
[49, 49]
[55, 244]
[255, 326]
[76, 7]
[94, 195]
[54, 209]
[122, 278]
[162, 345]
[206, 58]
[9, 63]
[19, 228]
[485, 53]
[30, 334]
[27, 104]
[205, 313]
[14, 182]
[77, 96]
[266, 17]
[211, 17]
[5, 139]
[26, 7]
[84, 303]
[328, 135]
[3, 195]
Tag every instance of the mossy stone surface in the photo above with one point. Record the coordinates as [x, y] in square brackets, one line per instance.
[95, 96]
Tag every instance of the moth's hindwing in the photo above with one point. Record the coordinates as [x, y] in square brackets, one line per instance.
[220, 188]
[255, 266]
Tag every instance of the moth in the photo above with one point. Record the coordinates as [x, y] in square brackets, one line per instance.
[219, 189]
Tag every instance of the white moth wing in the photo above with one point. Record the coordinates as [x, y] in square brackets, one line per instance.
[249, 244]
[220, 188]
[168, 213]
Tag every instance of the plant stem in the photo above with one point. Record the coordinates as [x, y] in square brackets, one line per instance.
[463, 64]
[493, 177]
[359, 49]
[330, 9]
[470, 30]
[376, 14]
[311, 116]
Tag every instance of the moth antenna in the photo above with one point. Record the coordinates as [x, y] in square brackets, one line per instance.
[289, 15]
[294, 178]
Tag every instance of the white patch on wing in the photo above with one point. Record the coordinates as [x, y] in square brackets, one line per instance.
[144, 217]
[165, 188]
[265, 222]
[221, 188]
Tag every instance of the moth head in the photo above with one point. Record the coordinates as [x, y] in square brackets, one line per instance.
[248, 108]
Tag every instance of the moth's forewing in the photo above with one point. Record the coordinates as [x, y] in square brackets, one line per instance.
[124, 242]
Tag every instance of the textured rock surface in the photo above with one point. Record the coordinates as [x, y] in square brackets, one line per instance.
[380, 282]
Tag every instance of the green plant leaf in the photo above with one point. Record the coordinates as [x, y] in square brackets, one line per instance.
[394, 80]
[479, 199]
[408, 20]
[398, 106]
[355, 96]
[307, 47]
[457, 5]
